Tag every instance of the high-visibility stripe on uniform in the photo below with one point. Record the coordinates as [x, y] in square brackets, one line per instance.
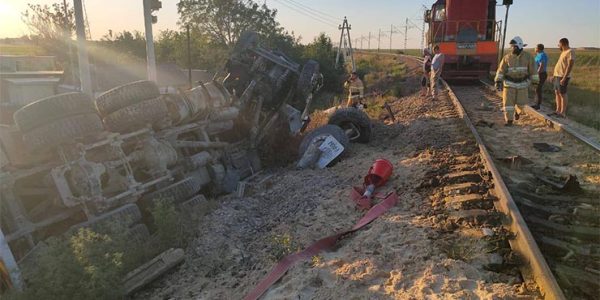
[517, 69]
[516, 85]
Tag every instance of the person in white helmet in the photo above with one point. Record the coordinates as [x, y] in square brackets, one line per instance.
[515, 74]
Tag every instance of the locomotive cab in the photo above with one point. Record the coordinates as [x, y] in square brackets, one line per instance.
[466, 32]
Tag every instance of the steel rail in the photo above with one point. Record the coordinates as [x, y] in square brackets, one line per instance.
[535, 268]
[555, 124]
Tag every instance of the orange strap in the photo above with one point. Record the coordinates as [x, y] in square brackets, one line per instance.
[287, 262]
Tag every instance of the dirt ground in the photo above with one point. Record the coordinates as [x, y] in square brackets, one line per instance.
[574, 157]
[401, 255]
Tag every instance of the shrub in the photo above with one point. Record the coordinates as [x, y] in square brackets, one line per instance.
[91, 264]
[282, 245]
[87, 265]
[171, 230]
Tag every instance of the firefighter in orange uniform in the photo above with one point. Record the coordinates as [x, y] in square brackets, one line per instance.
[516, 71]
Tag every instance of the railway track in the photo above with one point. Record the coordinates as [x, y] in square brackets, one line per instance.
[458, 196]
[551, 198]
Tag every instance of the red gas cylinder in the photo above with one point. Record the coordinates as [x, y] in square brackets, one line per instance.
[379, 173]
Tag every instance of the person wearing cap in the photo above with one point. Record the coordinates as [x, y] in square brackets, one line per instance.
[437, 66]
[425, 84]
[515, 74]
[356, 90]
[541, 61]
[562, 75]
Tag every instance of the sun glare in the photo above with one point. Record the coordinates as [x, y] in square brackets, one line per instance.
[10, 21]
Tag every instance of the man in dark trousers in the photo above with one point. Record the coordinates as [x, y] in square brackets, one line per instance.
[541, 62]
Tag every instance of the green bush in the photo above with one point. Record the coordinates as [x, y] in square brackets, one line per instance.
[396, 91]
[87, 265]
[171, 229]
[91, 264]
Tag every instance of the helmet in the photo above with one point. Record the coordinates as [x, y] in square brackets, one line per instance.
[517, 41]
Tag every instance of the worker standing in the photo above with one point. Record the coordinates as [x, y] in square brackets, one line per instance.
[541, 61]
[356, 90]
[437, 66]
[425, 84]
[562, 75]
[517, 71]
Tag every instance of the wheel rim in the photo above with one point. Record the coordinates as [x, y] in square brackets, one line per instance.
[351, 130]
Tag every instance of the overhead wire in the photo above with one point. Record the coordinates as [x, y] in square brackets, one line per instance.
[314, 10]
[306, 13]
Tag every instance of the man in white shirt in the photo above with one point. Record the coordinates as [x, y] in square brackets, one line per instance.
[437, 65]
[562, 75]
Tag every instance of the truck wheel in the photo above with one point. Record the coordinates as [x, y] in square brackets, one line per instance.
[304, 84]
[125, 95]
[174, 193]
[52, 108]
[354, 122]
[62, 131]
[322, 133]
[138, 115]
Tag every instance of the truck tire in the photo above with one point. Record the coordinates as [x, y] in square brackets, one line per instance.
[52, 108]
[174, 193]
[323, 132]
[125, 95]
[61, 131]
[138, 115]
[304, 84]
[355, 120]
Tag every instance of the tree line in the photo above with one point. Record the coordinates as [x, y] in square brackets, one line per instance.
[214, 27]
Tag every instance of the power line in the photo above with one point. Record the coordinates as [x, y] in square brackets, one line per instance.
[326, 22]
[315, 10]
[300, 7]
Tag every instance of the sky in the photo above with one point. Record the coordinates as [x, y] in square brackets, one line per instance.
[536, 21]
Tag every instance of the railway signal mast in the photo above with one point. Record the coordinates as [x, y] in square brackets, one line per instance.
[508, 3]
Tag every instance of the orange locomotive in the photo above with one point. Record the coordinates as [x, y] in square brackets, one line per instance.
[467, 33]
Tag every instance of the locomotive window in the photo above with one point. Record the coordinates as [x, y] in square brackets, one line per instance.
[439, 13]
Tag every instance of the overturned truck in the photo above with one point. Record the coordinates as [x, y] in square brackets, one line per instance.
[71, 162]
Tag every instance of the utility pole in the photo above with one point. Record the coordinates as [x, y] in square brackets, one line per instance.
[391, 31]
[369, 40]
[345, 37]
[405, 35]
[507, 3]
[189, 55]
[68, 41]
[379, 40]
[84, 65]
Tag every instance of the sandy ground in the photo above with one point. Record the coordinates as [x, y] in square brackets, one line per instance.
[402, 255]
[574, 157]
